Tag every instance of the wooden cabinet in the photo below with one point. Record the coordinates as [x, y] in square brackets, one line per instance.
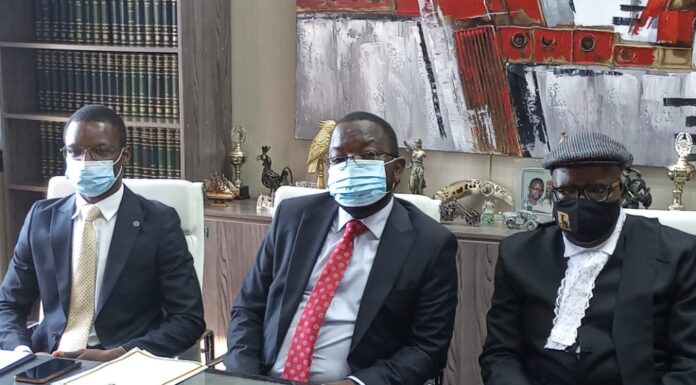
[476, 265]
[235, 233]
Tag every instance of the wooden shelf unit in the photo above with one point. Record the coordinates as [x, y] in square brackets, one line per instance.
[87, 47]
[131, 121]
[205, 91]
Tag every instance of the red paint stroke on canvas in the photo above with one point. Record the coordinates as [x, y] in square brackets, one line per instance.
[496, 6]
[516, 44]
[361, 4]
[531, 8]
[486, 90]
[676, 28]
[593, 46]
[407, 7]
[634, 56]
[463, 9]
[311, 4]
[553, 45]
[651, 11]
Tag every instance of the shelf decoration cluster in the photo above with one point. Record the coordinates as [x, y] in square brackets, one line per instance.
[155, 152]
[131, 84]
[107, 22]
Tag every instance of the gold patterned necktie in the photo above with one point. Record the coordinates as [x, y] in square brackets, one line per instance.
[82, 285]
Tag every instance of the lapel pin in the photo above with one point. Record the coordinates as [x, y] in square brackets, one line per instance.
[136, 223]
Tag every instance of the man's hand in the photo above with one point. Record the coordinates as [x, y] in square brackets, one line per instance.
[92, 354]
[343, 382]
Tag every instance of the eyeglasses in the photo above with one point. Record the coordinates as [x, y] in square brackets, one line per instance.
[597, 192]
[370, 155]
[101, 152]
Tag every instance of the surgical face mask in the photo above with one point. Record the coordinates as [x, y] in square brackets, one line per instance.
[586, 221]
[92, 178]
[358, 183]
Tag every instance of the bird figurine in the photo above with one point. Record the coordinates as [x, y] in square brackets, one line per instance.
[270, 178]
[319, 150]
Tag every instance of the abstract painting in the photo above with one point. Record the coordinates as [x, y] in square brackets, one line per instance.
[506, 77]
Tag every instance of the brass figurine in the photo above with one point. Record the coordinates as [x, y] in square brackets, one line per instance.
[682, 171]
[416, 183]
[319, 150]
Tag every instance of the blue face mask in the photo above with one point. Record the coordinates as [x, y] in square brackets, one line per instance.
[92, 178]
[358, 183]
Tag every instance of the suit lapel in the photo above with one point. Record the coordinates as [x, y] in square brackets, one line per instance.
[393, 248]
[129, 220]
[61, 240]
[311, 234]
[633, 327]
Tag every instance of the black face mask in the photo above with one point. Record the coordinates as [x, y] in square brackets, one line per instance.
[586, 221]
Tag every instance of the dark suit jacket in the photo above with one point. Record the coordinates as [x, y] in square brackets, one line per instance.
[654, 322]
[150, 297]
[404, 325]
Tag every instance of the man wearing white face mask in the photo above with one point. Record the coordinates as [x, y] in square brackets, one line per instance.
[352, 286]
[111, 268]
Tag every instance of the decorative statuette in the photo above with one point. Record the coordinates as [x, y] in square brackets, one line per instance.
[219, 189]
[417, 181]
[319, 150]
[682, 171]
[270, 178]
[237, 157]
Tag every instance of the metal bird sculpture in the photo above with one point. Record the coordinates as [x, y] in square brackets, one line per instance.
[319, 150]
[270, 178]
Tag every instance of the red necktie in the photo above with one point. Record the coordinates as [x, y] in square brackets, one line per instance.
[299, 358]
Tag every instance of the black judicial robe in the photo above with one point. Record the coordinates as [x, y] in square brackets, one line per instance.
[640, 327]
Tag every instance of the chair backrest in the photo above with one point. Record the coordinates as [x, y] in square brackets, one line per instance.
[680, 220]
[184, 196]
[429, 206]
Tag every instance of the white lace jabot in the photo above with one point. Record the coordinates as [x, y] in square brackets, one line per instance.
[575, 291]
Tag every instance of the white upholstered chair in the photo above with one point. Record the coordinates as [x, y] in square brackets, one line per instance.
[680, 220]
[429, 206]
[187, 199]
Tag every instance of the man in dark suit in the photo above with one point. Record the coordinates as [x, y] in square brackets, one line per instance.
[599, 297]
[384, 313]
[111, 268]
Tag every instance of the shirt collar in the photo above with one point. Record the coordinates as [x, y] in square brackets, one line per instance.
[375, 222]
[108, 206]
[607, 247]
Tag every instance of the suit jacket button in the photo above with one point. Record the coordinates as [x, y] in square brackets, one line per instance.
[54, 336]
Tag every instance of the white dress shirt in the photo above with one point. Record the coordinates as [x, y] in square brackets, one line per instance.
[104, 225]
[330, 360]
[575, 292]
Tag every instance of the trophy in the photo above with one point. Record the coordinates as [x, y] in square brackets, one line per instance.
[680, 172]
[237, 157]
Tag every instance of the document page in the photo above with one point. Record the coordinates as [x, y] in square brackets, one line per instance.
[138, 367]
[10, 359]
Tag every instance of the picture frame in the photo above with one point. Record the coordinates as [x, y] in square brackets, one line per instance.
[535, 192]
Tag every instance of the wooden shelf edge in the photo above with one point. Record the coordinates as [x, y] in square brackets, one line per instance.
[128, 120]
[87, 47]
[28, 187]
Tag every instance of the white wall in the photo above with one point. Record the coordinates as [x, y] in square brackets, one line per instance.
[263, 99]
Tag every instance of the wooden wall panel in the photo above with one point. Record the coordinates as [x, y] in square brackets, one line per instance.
[206, 86]
[230, 249]
[476, 265]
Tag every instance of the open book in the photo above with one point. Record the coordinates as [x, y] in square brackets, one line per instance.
[138, 367]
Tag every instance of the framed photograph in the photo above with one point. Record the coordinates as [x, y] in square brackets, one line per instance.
[536, 190]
